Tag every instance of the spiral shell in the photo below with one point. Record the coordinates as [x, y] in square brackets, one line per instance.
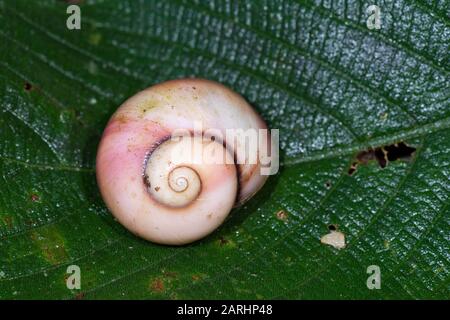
[176, 202]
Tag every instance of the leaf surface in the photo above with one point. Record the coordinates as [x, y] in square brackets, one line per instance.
[311, 68]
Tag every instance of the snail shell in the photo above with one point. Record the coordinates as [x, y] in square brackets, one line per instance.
[176, 202]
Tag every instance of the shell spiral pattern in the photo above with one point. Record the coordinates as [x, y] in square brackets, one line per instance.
[177, 189]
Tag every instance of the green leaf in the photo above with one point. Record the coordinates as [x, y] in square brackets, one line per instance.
[311, 68]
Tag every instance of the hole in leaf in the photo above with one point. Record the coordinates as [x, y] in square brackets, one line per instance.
[399, 151]
[352, 168]
[383, 155]
[28, 86]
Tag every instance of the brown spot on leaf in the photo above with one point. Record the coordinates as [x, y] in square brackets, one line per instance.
[157, 285]
[8, 220]
[80, 296]
[226, 243]
[282, 215]
[223, 241]
[51, 244]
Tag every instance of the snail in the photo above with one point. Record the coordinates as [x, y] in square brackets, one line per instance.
[169, 181]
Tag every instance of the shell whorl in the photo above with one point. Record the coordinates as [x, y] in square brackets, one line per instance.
[175, 170]
[185, 193]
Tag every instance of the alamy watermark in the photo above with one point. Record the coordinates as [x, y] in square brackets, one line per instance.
[73, 281]
[249, 147]
[374, 19]
[73, 22]
[374, 280]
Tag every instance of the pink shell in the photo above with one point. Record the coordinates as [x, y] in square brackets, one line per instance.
[147, 119]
